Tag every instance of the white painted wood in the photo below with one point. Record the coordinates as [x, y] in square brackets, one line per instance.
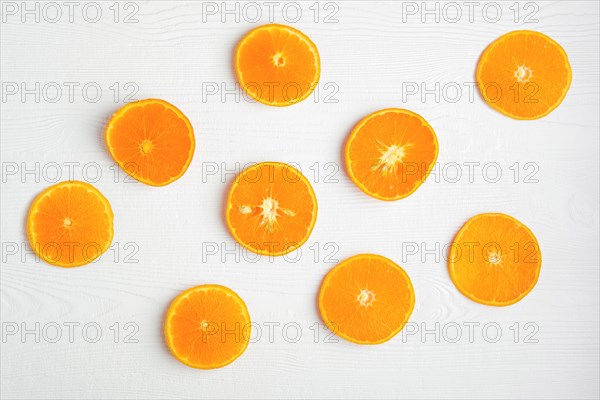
[368, 55]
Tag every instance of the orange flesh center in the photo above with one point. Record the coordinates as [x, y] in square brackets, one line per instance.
[67, 222]
[494, 258]
[204, 325]
[278, 60]
[391, 156]
[146, 146]
[269, 212]
[523, 74]
[365, 297]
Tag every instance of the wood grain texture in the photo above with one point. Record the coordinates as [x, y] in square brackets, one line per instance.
[168, 239]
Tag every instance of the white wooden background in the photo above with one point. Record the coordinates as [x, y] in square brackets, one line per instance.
[368, 54]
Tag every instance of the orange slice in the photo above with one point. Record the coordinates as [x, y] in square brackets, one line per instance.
[366, 299]
[390, 153]
[70, 224]
[207, 327]
[271, 208]
[495, 260]
[524, 74]
[151, 140]
[277, 65]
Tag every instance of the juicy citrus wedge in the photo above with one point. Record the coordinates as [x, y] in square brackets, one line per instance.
[151, 140]
[524, 74]
[70, 224]
[366, 299]
[271, 208]
[390, 153]
[277, 65]
[495, 260]
[207, 327]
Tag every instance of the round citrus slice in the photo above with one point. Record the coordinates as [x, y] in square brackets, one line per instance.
[151, 140]
[390, 153]
[207, 327]
[524, 74]
[494, 260]
[277, 65]
[70, 224]
[271, 208]
[366, 299]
